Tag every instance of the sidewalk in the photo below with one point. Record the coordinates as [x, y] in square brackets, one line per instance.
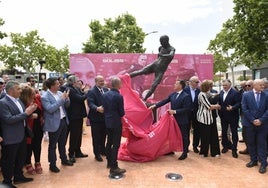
[196, 171]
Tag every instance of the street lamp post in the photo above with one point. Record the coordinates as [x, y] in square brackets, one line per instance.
[151, 33]
[41, 63]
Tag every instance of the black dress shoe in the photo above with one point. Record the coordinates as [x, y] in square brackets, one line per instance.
[7, 185]
[195, 150]
[54, 169]
[117, 171]
[81, 155]
[262, 169]
[234, 154]
[224, 150]
[67, 163]
[98, 158]
[22, 180]
[183, 156]
[251, 164]
[72, 159]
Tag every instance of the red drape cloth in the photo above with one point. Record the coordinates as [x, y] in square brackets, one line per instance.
[145, 141]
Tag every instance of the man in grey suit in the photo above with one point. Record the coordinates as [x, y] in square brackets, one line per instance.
[54, 103]
[13, 126]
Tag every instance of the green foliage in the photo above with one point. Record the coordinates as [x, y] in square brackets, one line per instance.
[245, 34]
[26, 52]
[2, 34]
[121, 35]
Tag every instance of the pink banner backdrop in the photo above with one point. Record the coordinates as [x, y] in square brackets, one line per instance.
[183, 66]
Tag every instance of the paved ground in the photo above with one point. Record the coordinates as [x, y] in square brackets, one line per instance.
[195, 170]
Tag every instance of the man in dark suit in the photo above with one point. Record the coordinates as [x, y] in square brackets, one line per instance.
[113, 112]
[96, 117]
[76, 113]
[193, 91]
[55, 122]
[230, 102]
[2, 88]
[255, 121]
[13, 128]
[180, 109]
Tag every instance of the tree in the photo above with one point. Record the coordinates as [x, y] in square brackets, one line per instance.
[26, 52]
[121, 35]
[245, 34]
[2, 34]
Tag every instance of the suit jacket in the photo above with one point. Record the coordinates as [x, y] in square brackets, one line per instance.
[77, 108]
[251, 111]
[51, 108]
[12, 121]
[180, 104]
[94, 100]
[194, 104]
[113, 108]
[2, 94]
[233, 99]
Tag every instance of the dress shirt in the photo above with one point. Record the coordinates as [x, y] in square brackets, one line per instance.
[225, 93]
[192, 93]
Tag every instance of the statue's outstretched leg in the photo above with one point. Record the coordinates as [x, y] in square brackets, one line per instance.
[156, 82]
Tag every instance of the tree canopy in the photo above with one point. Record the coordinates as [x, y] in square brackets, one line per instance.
[121, 35]
[27, 50]
[2, 34]
[245, 35]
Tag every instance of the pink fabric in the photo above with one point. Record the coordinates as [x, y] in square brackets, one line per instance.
[145, 141]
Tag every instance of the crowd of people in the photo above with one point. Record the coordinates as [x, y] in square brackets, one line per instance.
[60, 109]
[196, 106]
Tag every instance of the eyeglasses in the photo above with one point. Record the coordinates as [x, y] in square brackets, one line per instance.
[1, 83]
[247, 85]
[195, 82]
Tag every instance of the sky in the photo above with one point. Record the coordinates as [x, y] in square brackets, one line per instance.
[190, 24]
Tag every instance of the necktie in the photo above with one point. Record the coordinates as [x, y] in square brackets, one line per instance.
[177, 95]
[101, 90]
[258, 96]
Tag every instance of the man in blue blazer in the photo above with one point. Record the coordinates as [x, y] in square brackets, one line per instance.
[194, 91]
[96, 117]
[255, 121]
[113, 113]
[13, 128]
[55, 122]
[230, 101]
[180, 109]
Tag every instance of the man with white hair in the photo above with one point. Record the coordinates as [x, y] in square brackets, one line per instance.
[194, 91]
[255, 121]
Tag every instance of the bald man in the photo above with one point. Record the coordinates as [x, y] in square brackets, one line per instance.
[96, 117]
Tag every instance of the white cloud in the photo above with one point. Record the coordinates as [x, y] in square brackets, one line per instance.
[63, 22]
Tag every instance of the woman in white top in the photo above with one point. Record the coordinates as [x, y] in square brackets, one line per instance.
[208, 130]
